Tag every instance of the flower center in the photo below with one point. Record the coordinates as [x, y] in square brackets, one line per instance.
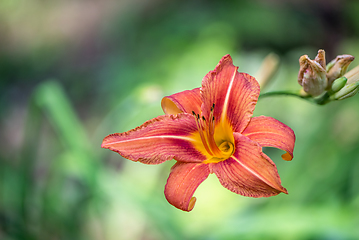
[215, 140]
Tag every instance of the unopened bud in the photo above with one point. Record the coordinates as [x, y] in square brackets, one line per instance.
[267, 69]
[352, 75]
[312, 74]
[339, 84]
[320, 58]
[337, 67]
[346, 92]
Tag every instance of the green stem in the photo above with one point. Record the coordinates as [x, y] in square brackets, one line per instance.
[320, 100]
[285, 93]
[324, 99]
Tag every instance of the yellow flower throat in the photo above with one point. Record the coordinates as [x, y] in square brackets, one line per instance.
[213, 140]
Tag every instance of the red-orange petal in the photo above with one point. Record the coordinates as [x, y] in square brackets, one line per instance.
[186, 101]
[249, 172]
[183, 182]
[269, 132]
[158, 140]
[234, 94]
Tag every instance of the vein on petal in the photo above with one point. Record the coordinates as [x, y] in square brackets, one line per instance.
[152, 137]
[255, 173]
[225, 104]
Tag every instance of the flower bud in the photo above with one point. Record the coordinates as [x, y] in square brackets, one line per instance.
[338, 84]
[352, 75]
[347, 91]
[267, 69]
[312, 74]
[337, 67]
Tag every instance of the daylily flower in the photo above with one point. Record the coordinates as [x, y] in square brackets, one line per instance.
[211, 130]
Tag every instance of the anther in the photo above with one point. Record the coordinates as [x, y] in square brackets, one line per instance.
[212, 108]
[203, 118]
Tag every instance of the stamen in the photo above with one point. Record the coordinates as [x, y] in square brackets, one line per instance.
[201, 128]
[210, 134]
[206, 130]
[211, 123]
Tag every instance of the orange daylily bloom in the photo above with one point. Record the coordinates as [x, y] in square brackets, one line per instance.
[211, 130]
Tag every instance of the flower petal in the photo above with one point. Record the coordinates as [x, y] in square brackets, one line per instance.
[186, 101]
[234, 94]
[269, 132]
[249, 172]
[183, 182]
[158, 140]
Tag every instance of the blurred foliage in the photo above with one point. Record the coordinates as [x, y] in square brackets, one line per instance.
[72, 72]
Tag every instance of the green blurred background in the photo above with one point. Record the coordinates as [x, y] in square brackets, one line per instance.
[74, 71]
